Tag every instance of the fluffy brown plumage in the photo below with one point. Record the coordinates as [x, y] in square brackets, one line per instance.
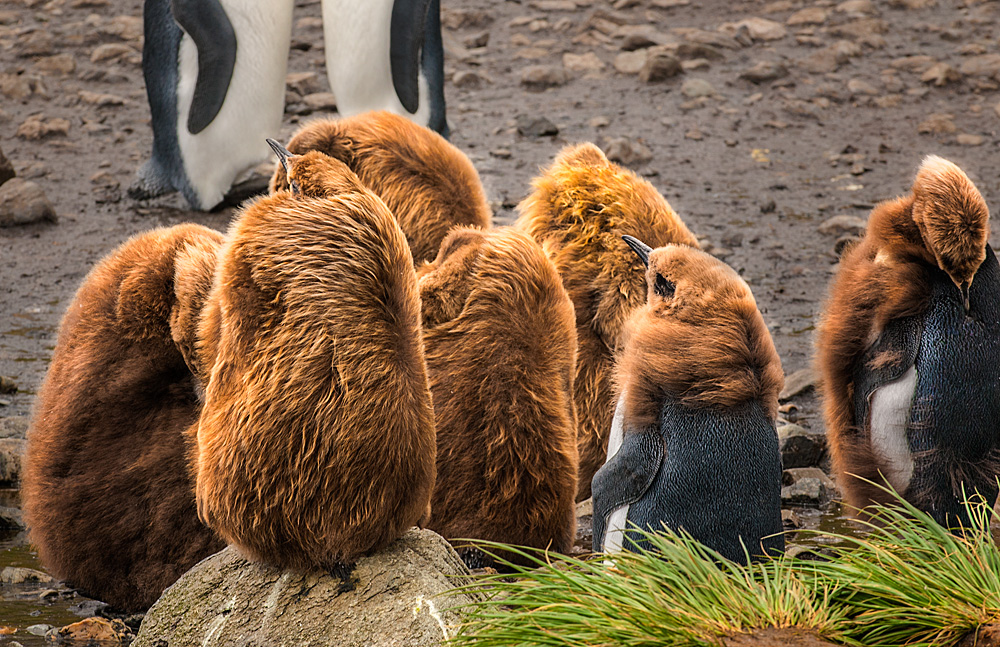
[107, 490]
[500, 343]
[316, 444]
[703, 341]
[579, 210]
[942, 224]
[427, 183]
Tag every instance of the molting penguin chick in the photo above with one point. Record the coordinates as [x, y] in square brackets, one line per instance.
[316, 443]
[909, 350]
[580, 208]
[108, 491]
[427, 183]
[501, 343]
[215, 80]
[693, 444]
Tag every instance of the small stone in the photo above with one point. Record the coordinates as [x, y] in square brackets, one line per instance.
[842, 224]
[96, 630]
[11, 455]
[797, 383]
[987, 65]
[699, 50]
[125, 27]
[61, 64]
[808, 492]
[303, 82]
[659, 66]
[112, 51]
[541, 77]
[758, 28]
[633, 42]
[823, 61]
[630, 62]
[531, 126]
[16, 427]
[808, 16]
[39, 630]
[36, 43]
[695, 64]
[467, 79]
[582, 62]
[308, 22]
[502, 153]
[857, 7]
[6, 173]
[695, 88]
[15, 87]
[858, 86]
[11, 520]
[790, 519]
[17, 575]
[941, 74]
[969, 139]
[764, 71]
[694, 134]
[320, 101]
[792, 475]
[38, 127]
[100, 100]
[23, 202]
[480, 39]
[800, 447]
[938, 124]
[627, 151]
[599, 121]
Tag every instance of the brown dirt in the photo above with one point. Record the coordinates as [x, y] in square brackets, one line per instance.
[774, 637]
[985, 636]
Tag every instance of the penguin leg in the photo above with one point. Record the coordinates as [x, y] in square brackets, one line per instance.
[343, 572]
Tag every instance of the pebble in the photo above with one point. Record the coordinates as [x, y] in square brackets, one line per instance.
[633, 42]
[61, 64]
[800, 447]
[16, 427]
[806, 486]
[6, 173]
[531, 126]
[797, 383]
[941, 74]
[37, 43]
[480, 39]
[699, 50]
[95, 630]
[599, 121]
[808, 16]
[23, 202]
[857, 7]
[758, 28]
[659, 66]
[842, 224]
[824, 61]
[18, 575]
[918, 64]
[790, 519]
[303, 82]
[764, 71]
[467, 79]
[11, 520]
[38, 127]
[582, 62]
[630, 62]
[858, 86]
[987, 65]
[113, 51]
[39, 630]
[124, 27]
[695, 88]
[541, 77]
[100, 100]
[15, 87]
[11, 454]
[320, 101]
[938, 123]
[627, 151]
[969, 139]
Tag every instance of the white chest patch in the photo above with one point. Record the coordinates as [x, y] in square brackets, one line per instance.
[356, 36]
[613, 535]
[890, 415]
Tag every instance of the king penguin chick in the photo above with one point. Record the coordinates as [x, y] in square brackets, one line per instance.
[427, 183]
[501, 343]
[693, 445]
[909, 351]
[580, 208]
[316, 442]
[108, 490]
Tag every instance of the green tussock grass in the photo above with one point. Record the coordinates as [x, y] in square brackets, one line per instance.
[681, 593]
[909, 581]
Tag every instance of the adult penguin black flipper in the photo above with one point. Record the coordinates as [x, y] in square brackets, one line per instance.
[209, 27]
[406, 40]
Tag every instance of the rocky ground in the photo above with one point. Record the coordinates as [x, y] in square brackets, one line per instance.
[772, 128]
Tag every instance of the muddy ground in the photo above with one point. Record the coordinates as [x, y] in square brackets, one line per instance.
[809, 111]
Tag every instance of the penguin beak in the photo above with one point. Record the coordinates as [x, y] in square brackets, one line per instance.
[640, 248]
[965, 293]
[283, 154]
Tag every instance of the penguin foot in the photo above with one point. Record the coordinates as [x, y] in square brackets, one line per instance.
[343, 571]
[475, 558]
[149, 184]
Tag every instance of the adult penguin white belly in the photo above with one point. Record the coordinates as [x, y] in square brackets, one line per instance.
[215, 78]
[387, 55]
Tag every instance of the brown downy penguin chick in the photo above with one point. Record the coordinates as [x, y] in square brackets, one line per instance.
[108, 491]
[581, 207]
[427, 183]
[316, 443]
[501, 343]
[693, 445]
[909, 351]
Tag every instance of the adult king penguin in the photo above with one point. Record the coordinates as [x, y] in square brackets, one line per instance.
[693, 444]
[909, 349]
[215, 80]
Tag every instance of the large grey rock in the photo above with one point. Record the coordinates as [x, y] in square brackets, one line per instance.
[229, 600]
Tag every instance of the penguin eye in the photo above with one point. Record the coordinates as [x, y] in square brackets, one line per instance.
[663, 287]
[294, 187]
